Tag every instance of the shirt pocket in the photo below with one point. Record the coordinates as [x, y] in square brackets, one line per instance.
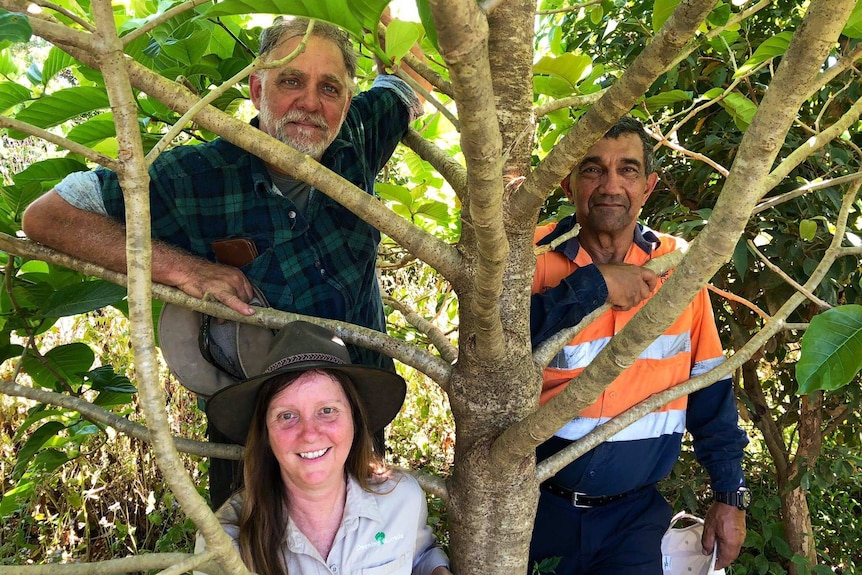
[400, 566]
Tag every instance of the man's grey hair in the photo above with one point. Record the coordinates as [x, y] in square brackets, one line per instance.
[629, 125]
[295, 27]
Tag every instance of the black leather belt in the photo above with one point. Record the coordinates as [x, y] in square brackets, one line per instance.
[581, 500]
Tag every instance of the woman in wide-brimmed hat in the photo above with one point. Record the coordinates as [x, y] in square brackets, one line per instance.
[317, 499]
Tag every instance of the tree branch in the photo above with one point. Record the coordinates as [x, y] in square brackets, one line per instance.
[66, 143]
[135, 181]
[445, 164]
[121, 424]
[161, 19]
[145, 562]
[432, 366]
[578, 101]
[463, 34]
[447, 351]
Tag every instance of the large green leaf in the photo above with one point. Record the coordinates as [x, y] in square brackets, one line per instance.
[665, 99]
[355, 16]
[853, 28]
[740, 108]
[661, 12]
[69, 361]
[82, 298]
[63, 105]
[94, 130]
[400, 37]
[568, 66]
[33, 444]
[831, 350]
[187, 50]
[15, 498]
[50, 170]
[14, 27]
[56, 62]
[769, 49]
[12, 94]
[427, 20]
[19, 197]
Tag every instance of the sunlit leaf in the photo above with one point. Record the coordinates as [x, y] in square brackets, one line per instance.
[427, 20]
[853, 28]
[15, 498]
[807, 230]
[665, 99]
[56, 62]
[740, 108]
[63, 105]
[661, 12]
[769, 49]
[394, 193]
[568, 66]
[400, 37]
[831, 350]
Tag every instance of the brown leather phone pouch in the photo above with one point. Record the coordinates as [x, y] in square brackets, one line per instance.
[234, 251]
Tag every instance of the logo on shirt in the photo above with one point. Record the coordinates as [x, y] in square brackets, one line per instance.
[380, 539]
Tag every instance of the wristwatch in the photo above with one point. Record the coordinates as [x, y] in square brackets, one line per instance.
[741, 498]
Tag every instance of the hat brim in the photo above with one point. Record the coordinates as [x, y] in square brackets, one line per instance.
[382, 393]
[179, 329]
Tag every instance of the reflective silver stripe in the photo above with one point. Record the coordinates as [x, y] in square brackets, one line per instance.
[650, 426]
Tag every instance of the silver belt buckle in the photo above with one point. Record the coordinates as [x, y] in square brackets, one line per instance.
[575, 496]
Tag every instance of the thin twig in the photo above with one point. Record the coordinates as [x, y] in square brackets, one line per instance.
[420, 89]
[783, 275]
[447, 351]
[74, 147]
[739, 299]
[802, 190]
[161, 19]
[70, 15]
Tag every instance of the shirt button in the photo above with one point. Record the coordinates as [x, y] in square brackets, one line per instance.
[322, 272]
[291, 214]
[333, 568]
[592, 473]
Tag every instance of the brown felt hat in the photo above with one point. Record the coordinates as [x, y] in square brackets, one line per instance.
[302, 346]
[206, 355]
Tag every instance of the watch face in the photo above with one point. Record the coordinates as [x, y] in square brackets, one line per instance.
[744, 498]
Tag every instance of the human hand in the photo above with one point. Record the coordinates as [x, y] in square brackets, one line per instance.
[724, 525]
[628, 285]
[226, 284]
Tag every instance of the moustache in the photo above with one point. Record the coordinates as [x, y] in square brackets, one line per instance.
[304, 117]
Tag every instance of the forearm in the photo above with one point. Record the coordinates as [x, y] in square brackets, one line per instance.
[566, 304]
[98, 239]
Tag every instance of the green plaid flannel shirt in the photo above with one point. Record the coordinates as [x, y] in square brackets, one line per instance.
[321, 263]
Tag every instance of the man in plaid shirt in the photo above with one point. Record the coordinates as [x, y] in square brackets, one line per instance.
[315, 256]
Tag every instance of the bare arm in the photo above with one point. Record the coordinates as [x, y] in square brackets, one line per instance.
[92, 237]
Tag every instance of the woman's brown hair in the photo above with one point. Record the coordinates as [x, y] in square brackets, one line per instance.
[266, 507]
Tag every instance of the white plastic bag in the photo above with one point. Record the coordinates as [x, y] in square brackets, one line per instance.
[682, 552]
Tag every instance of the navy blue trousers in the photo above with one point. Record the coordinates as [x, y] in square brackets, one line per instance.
[621, 538]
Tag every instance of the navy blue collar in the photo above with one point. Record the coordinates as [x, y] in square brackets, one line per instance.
[644, 238]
